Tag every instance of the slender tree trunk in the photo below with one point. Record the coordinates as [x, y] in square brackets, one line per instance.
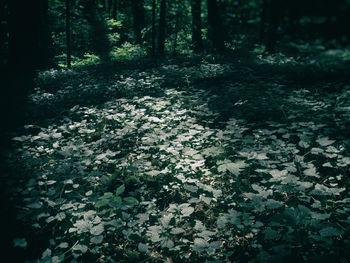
[110, 8]
[292, 17]
[68, 40]
[215, 26]
[139, 19]
[196, 24]
[153, 27]
[274, 18]
[176, 27]
[24, 29]
[44, 34]
[262, 21]
[3, 30]
[115, 9]
[104, 4]
[162, 26]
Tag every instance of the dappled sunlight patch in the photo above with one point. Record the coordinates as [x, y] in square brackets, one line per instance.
[126, 51]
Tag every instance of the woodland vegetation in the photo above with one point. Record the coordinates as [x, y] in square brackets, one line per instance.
[175, 131]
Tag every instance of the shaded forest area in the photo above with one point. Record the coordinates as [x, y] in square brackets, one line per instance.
[175, 130]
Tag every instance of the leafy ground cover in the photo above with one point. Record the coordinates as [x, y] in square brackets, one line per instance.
[189, 162]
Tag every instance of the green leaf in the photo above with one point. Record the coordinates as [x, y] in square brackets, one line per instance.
[101, 202]
[214, 246]
[167, 243]
[187, 211]
[81, 248]
[131, 200]
[273, 204]
[200, 245]
[63, 245]
[97, 240]
[324, 141]
[20, 242]
[311, 171]
[117, 200]
[35, 205]
[143, 248]
[120, 190]
[153, 232]
[330, 232]
[319, 216]
[177, 230]
[66, 206]
[165, 220]
[206, 234]
[97, 230]
[234, 168]
[213, 151]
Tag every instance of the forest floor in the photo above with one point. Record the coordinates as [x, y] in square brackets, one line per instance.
[202, 160]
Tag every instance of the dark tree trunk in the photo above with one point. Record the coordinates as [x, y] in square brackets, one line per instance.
[28, 33]
[139, 19]
[176, 29]
[110, 8]
[24, 57]
[68, 41]
[115, 9]
[3, 29]
[293, 11]
[2, 10]
[196, 24]
[162, 26]
[263, 21]
[215, 26]
[153, 28]
[274, 20]
[44, 35]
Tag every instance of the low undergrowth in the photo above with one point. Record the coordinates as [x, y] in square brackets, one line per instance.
[153, 167]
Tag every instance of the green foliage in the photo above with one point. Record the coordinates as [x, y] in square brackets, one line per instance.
[127, 52]
[161, 172]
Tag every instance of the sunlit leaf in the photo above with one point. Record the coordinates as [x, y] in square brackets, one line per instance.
[200, 245]
[97, 230]
[324, 141]
[232, 167]
[187, 211]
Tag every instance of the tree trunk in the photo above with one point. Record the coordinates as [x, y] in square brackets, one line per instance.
[274, 18]
[196, 24]
[262, 21]
[115, 9]
[68, 41]
[24, 57]
[176, 29]
[293, 10]
[139, 19]
[162, 26]
[110, 8]
[104, 4]
[3, 29]
[24, 32]
[153, 28]
[215, 29]
[44, 35]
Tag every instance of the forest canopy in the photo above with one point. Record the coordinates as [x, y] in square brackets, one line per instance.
[48, 33]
